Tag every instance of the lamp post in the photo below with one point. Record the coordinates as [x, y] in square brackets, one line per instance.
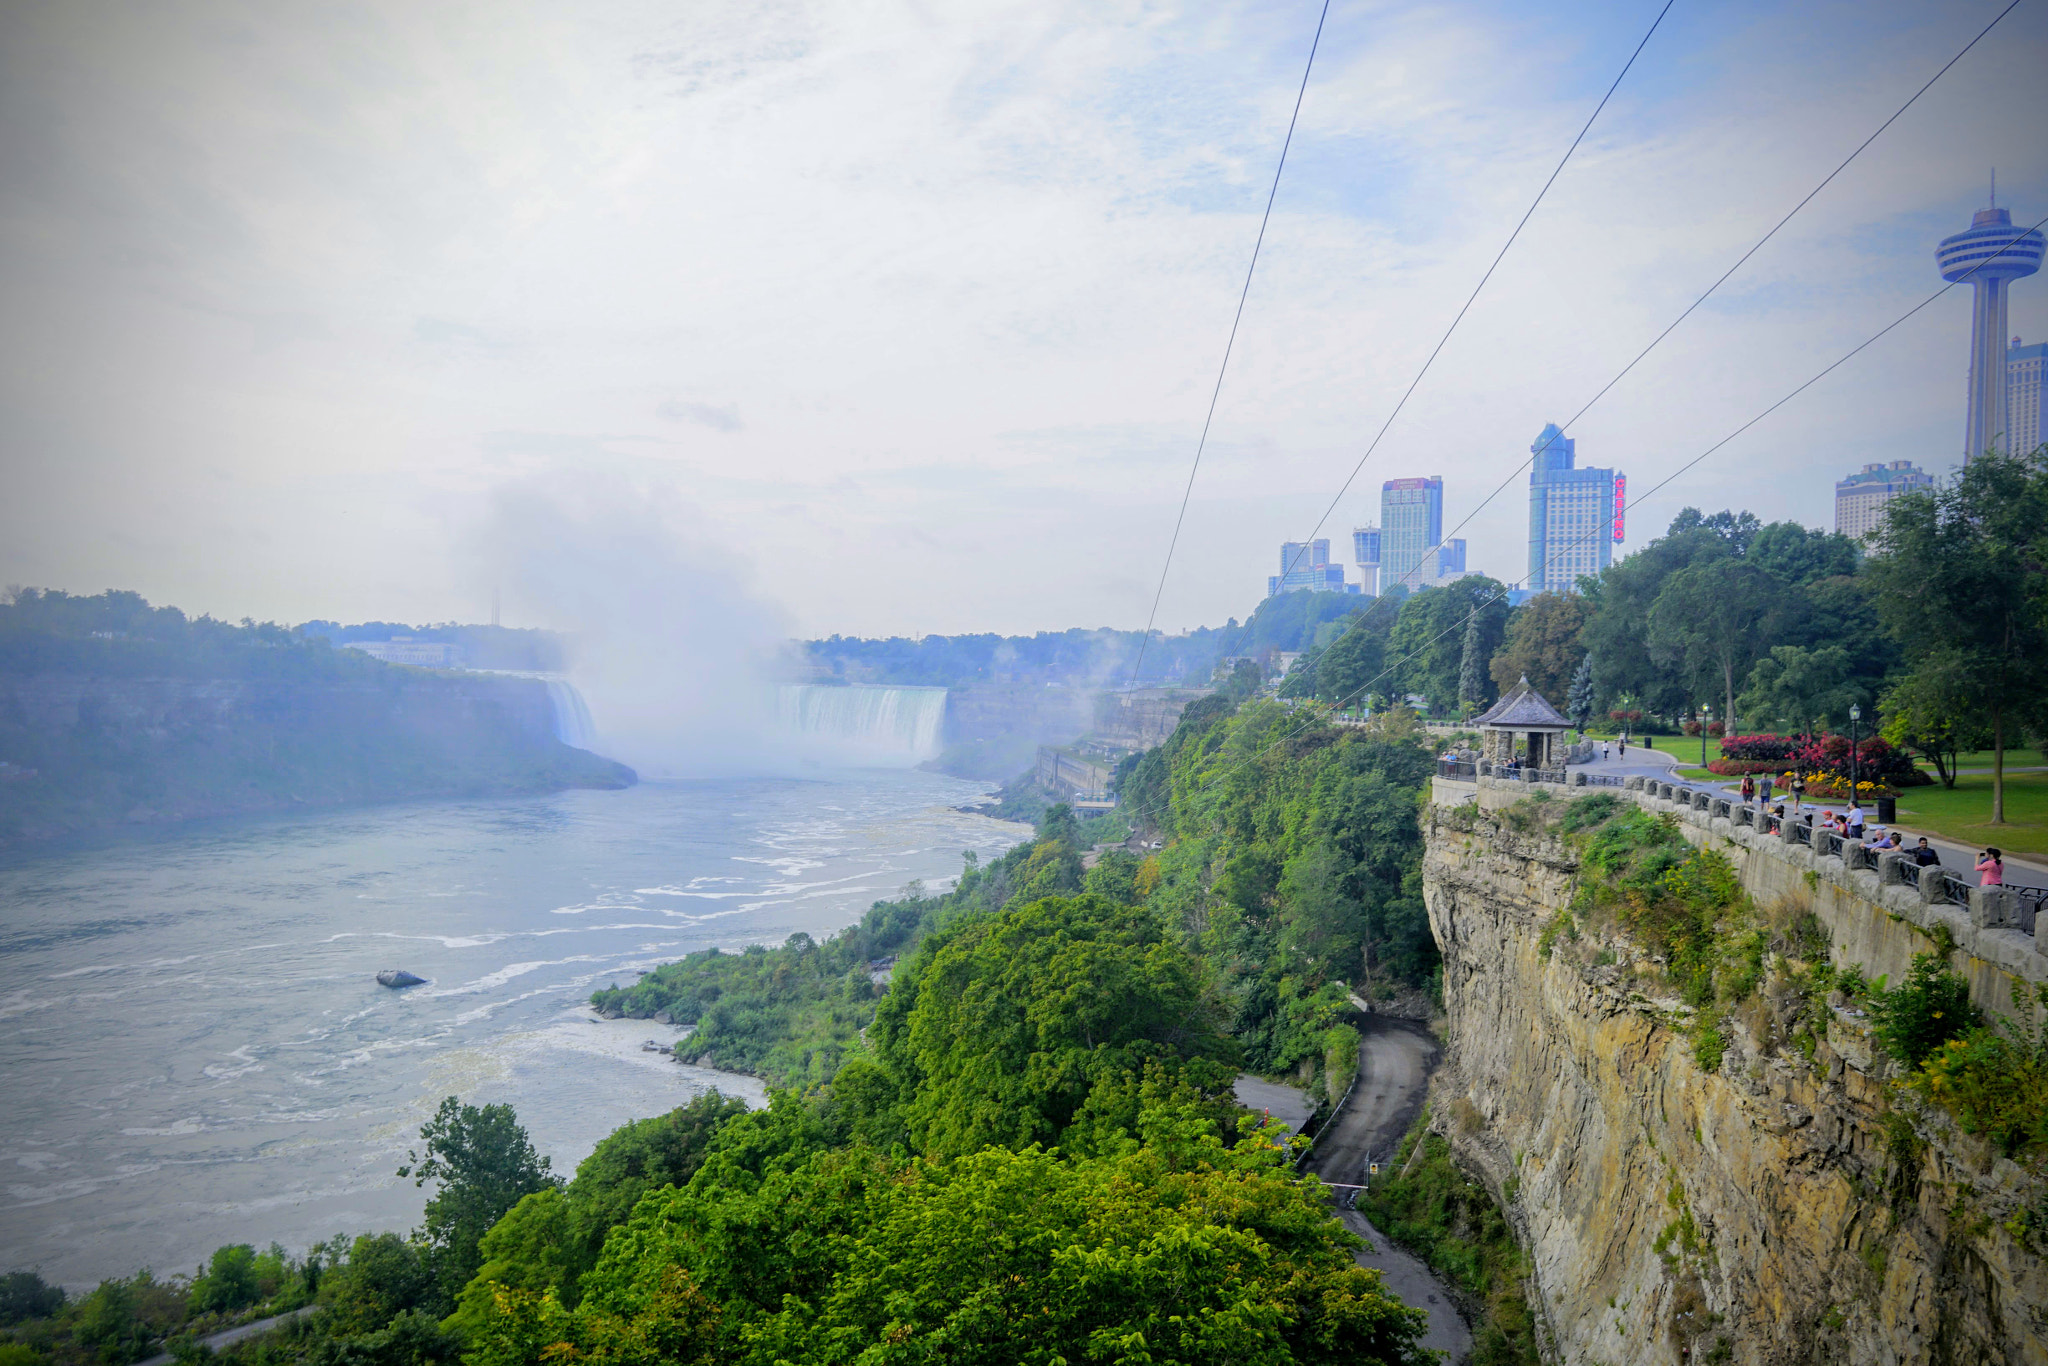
[1706, 715]
[1855, 758]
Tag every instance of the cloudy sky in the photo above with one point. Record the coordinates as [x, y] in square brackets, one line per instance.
[902, 317]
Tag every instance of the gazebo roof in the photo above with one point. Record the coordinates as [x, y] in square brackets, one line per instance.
[1523, 708]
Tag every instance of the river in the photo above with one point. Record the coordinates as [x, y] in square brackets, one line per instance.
[196, 1051]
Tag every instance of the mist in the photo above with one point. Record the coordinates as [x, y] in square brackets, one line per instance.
[671, 647]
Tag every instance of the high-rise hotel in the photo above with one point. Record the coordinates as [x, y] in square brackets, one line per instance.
[1411, 524]
[1575, 515]
[2023, 375]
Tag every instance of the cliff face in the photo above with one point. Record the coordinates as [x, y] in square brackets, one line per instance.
[1794, 1209]
[92, 752]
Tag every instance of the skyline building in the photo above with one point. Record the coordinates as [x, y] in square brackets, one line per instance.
[2023, 375]
[1860, 499]
[1306, 566]
[1991, 253]
[1365, 550]
[1411, 524]
[1575, 515]
[1450, 558]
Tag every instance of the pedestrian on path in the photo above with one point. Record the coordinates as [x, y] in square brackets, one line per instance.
[1748, 789]
[1796, 785]
[1604, 751]
[1992, 865]
[1764, 791]
[1624, 746]
[1855, 820]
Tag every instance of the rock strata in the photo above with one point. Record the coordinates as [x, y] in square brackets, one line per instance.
[1775, 1209]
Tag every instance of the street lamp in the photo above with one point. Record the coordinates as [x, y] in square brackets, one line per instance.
[1855, 759]
[1706, 715]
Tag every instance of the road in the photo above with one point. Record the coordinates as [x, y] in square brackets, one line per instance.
[1395, 1058]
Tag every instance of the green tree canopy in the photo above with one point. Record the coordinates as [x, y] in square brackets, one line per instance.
[1796, 689]
[484, 1164]
[1542, 644]
[1427, 645]
[1961, 582]
[1710, 622]
[1007, 1029]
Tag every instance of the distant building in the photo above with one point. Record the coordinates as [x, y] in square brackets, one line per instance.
[1411, 524]
[420, 654]
[2023, 374]
[1365, 549]
[1306, 566]
[1575, 515]
[1450, 558]
[1860, 499]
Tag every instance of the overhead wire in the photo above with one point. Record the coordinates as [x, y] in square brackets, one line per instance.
[1499, 256]
[1216, 392]
[1364, 689]
[1537, 451]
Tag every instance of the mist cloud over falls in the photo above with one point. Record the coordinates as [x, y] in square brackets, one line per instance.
[671, 646]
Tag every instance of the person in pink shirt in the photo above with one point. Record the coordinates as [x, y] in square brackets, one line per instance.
[1992, 865]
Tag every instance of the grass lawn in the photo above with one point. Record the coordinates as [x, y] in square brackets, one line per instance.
[1964, 813]
[2014, 758]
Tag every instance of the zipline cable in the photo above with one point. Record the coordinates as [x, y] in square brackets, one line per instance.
[1230, 342]
[1711, 289]
[1365, 688]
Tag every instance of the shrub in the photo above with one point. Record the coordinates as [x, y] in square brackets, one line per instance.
[1995, 1084]
[1931, 1007]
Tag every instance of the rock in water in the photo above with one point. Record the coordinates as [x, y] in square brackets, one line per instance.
[399, 977]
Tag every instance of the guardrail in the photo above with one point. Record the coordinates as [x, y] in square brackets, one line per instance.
[1456, 768]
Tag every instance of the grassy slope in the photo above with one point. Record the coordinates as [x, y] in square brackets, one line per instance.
[1964, 812]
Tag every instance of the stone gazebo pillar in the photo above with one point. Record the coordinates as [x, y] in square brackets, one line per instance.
[1523, 712]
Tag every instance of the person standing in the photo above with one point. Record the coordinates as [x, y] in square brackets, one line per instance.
[1604, 751]
[1795, 783]
[1764, 791]
[1926, 855]
[1991, 864]
[1855, 820]
[1624, 744]
[1748, 789]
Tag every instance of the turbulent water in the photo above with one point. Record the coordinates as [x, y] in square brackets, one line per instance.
[864, 723]
[196, 1052]
[573, 725]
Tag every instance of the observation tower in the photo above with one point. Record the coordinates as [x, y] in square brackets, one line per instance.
[1990, 254]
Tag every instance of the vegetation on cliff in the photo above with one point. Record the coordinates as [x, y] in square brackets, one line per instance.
[115, 712]
[1291, 874]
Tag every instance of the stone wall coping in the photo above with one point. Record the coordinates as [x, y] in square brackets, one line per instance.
[1987, 929]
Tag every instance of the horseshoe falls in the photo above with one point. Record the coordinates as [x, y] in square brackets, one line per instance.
[572, 717]
[863, 724]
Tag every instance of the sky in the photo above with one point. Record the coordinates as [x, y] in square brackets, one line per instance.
[898, 318]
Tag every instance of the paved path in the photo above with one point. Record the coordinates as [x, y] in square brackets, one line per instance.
[231, 1335]
[1395, 1058]
[1288, 1104]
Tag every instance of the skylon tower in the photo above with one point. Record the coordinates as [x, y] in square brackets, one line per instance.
[1991, 254]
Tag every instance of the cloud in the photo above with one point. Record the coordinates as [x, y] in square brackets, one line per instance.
[718, 417]
[966, 272]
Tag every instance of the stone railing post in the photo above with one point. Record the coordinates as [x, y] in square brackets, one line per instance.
[1579, 779]
[1993, 908]
[1785, 829]
[1933, 885]
[1891, 869]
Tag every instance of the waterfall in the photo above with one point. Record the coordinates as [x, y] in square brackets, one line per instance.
[572, 718]
[862, 723]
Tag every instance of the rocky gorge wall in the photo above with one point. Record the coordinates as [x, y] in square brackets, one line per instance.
[1773, 1208]
[88, 752]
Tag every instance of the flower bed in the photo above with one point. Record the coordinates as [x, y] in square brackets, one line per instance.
[1826, 757]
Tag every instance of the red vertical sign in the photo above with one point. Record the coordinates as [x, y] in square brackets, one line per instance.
[1620, 504]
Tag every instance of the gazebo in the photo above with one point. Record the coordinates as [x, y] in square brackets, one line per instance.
[1523, 711]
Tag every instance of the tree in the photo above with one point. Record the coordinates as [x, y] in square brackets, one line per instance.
[1579, 700]
[1427, 644]
[485, 1165]
[1617, 632]
[1710, 622]
[1542, 645]
[1928, 711]
[1010, 1026]
[1961, 582]
[1802, 687]
[1473, 696]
